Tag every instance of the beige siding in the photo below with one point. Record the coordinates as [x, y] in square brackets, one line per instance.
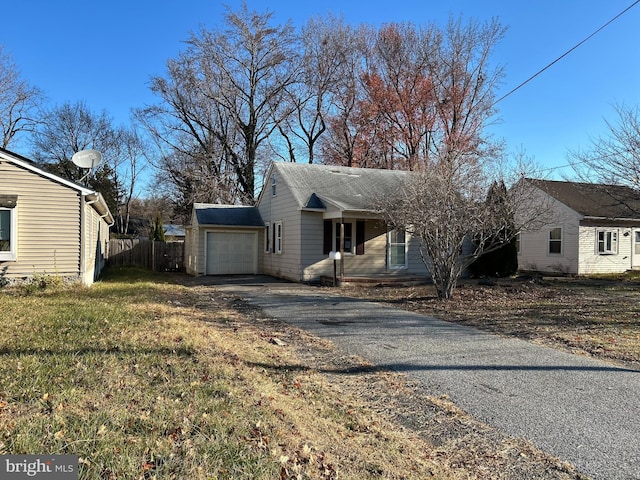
[48, 224]
[284, 208]
[96, 236]
[592, 262]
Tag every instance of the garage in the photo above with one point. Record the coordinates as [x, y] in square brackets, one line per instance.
[230, 253]
[223, 240]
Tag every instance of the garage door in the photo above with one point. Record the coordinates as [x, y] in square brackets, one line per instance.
[231, 253]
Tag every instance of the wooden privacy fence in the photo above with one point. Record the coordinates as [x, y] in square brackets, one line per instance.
[156, 256]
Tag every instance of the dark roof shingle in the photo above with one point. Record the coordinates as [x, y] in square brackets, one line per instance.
[594, 200]
[228, 215]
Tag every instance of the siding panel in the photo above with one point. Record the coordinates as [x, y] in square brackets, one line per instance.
[48, 224]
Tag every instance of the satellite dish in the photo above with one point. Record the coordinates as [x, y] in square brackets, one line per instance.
[87, 158]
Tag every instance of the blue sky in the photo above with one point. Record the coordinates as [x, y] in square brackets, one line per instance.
[103, 53]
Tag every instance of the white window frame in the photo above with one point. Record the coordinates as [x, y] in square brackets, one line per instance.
[336, 237]
[561, 240]
[12, 254]
[636, 247]
[267, 238]
[277, 248]
[273, 185]
[406, 250]
[608, 245]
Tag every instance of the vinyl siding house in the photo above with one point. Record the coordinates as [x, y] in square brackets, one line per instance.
[49, 225]
[591, 229]
[308, 212]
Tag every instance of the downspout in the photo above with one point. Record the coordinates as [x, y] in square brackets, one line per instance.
[84, 202]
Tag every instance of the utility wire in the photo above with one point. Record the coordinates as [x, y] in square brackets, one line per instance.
[567, 52]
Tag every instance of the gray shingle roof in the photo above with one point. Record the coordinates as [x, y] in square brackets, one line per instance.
[228, 215]
[349, 189]
[594, 200]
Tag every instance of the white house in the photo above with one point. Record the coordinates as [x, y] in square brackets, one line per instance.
[592, 228]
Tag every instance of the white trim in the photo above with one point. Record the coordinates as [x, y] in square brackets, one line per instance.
[32, 168]
[267, 237]
[406, 251]
[12, 254]
[611, 237]
[561, 240]
[278, 246]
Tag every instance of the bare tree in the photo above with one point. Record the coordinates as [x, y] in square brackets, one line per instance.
[190, 132]
[219, 97]
[70, 128]
[445, 205]
[614, 158]
[326, 43]
[19, 101]
[132, 162]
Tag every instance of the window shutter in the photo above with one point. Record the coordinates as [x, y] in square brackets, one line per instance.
[359, 238]
[328, 236]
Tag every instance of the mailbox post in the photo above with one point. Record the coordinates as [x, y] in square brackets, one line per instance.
[335, 256]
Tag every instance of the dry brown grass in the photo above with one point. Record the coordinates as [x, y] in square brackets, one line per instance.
[143, 378]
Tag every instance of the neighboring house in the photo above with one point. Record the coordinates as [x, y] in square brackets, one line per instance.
[173, 233]
[303, 214]
[49, 225]
[591, 229]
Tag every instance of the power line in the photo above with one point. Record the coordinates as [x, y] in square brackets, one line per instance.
[567, 52]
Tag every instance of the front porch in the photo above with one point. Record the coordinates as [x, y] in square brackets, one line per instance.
[375, 280]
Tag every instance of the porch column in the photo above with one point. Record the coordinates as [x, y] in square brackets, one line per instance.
[342, 249]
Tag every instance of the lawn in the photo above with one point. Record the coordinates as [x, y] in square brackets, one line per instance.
[142, 378]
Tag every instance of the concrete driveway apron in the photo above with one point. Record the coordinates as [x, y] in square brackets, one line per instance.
[581, 410]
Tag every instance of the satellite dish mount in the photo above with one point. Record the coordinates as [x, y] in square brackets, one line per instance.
[88, 159]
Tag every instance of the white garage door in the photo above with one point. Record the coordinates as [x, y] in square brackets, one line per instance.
[231, 253]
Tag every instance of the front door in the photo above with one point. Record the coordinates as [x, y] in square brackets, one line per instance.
[635, 249]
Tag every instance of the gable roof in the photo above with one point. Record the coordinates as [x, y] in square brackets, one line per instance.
[95, 198]
[345, 188]
[33, 167]
[594, 200]
[227, 215]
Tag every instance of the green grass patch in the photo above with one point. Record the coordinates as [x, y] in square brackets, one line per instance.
[108, 374]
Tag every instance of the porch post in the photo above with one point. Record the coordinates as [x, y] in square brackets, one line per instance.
[342, 249]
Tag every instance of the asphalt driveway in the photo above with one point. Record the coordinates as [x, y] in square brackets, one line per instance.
[581, 410]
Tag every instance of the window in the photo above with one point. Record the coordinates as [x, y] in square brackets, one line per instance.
[518, 244]
[397, 248]
[348, 237]
[277, 236]
[607, 242]
[331, 237]
[637, 239]
[555, 241]
[273, 184]
[267, 238]
[8, 237]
